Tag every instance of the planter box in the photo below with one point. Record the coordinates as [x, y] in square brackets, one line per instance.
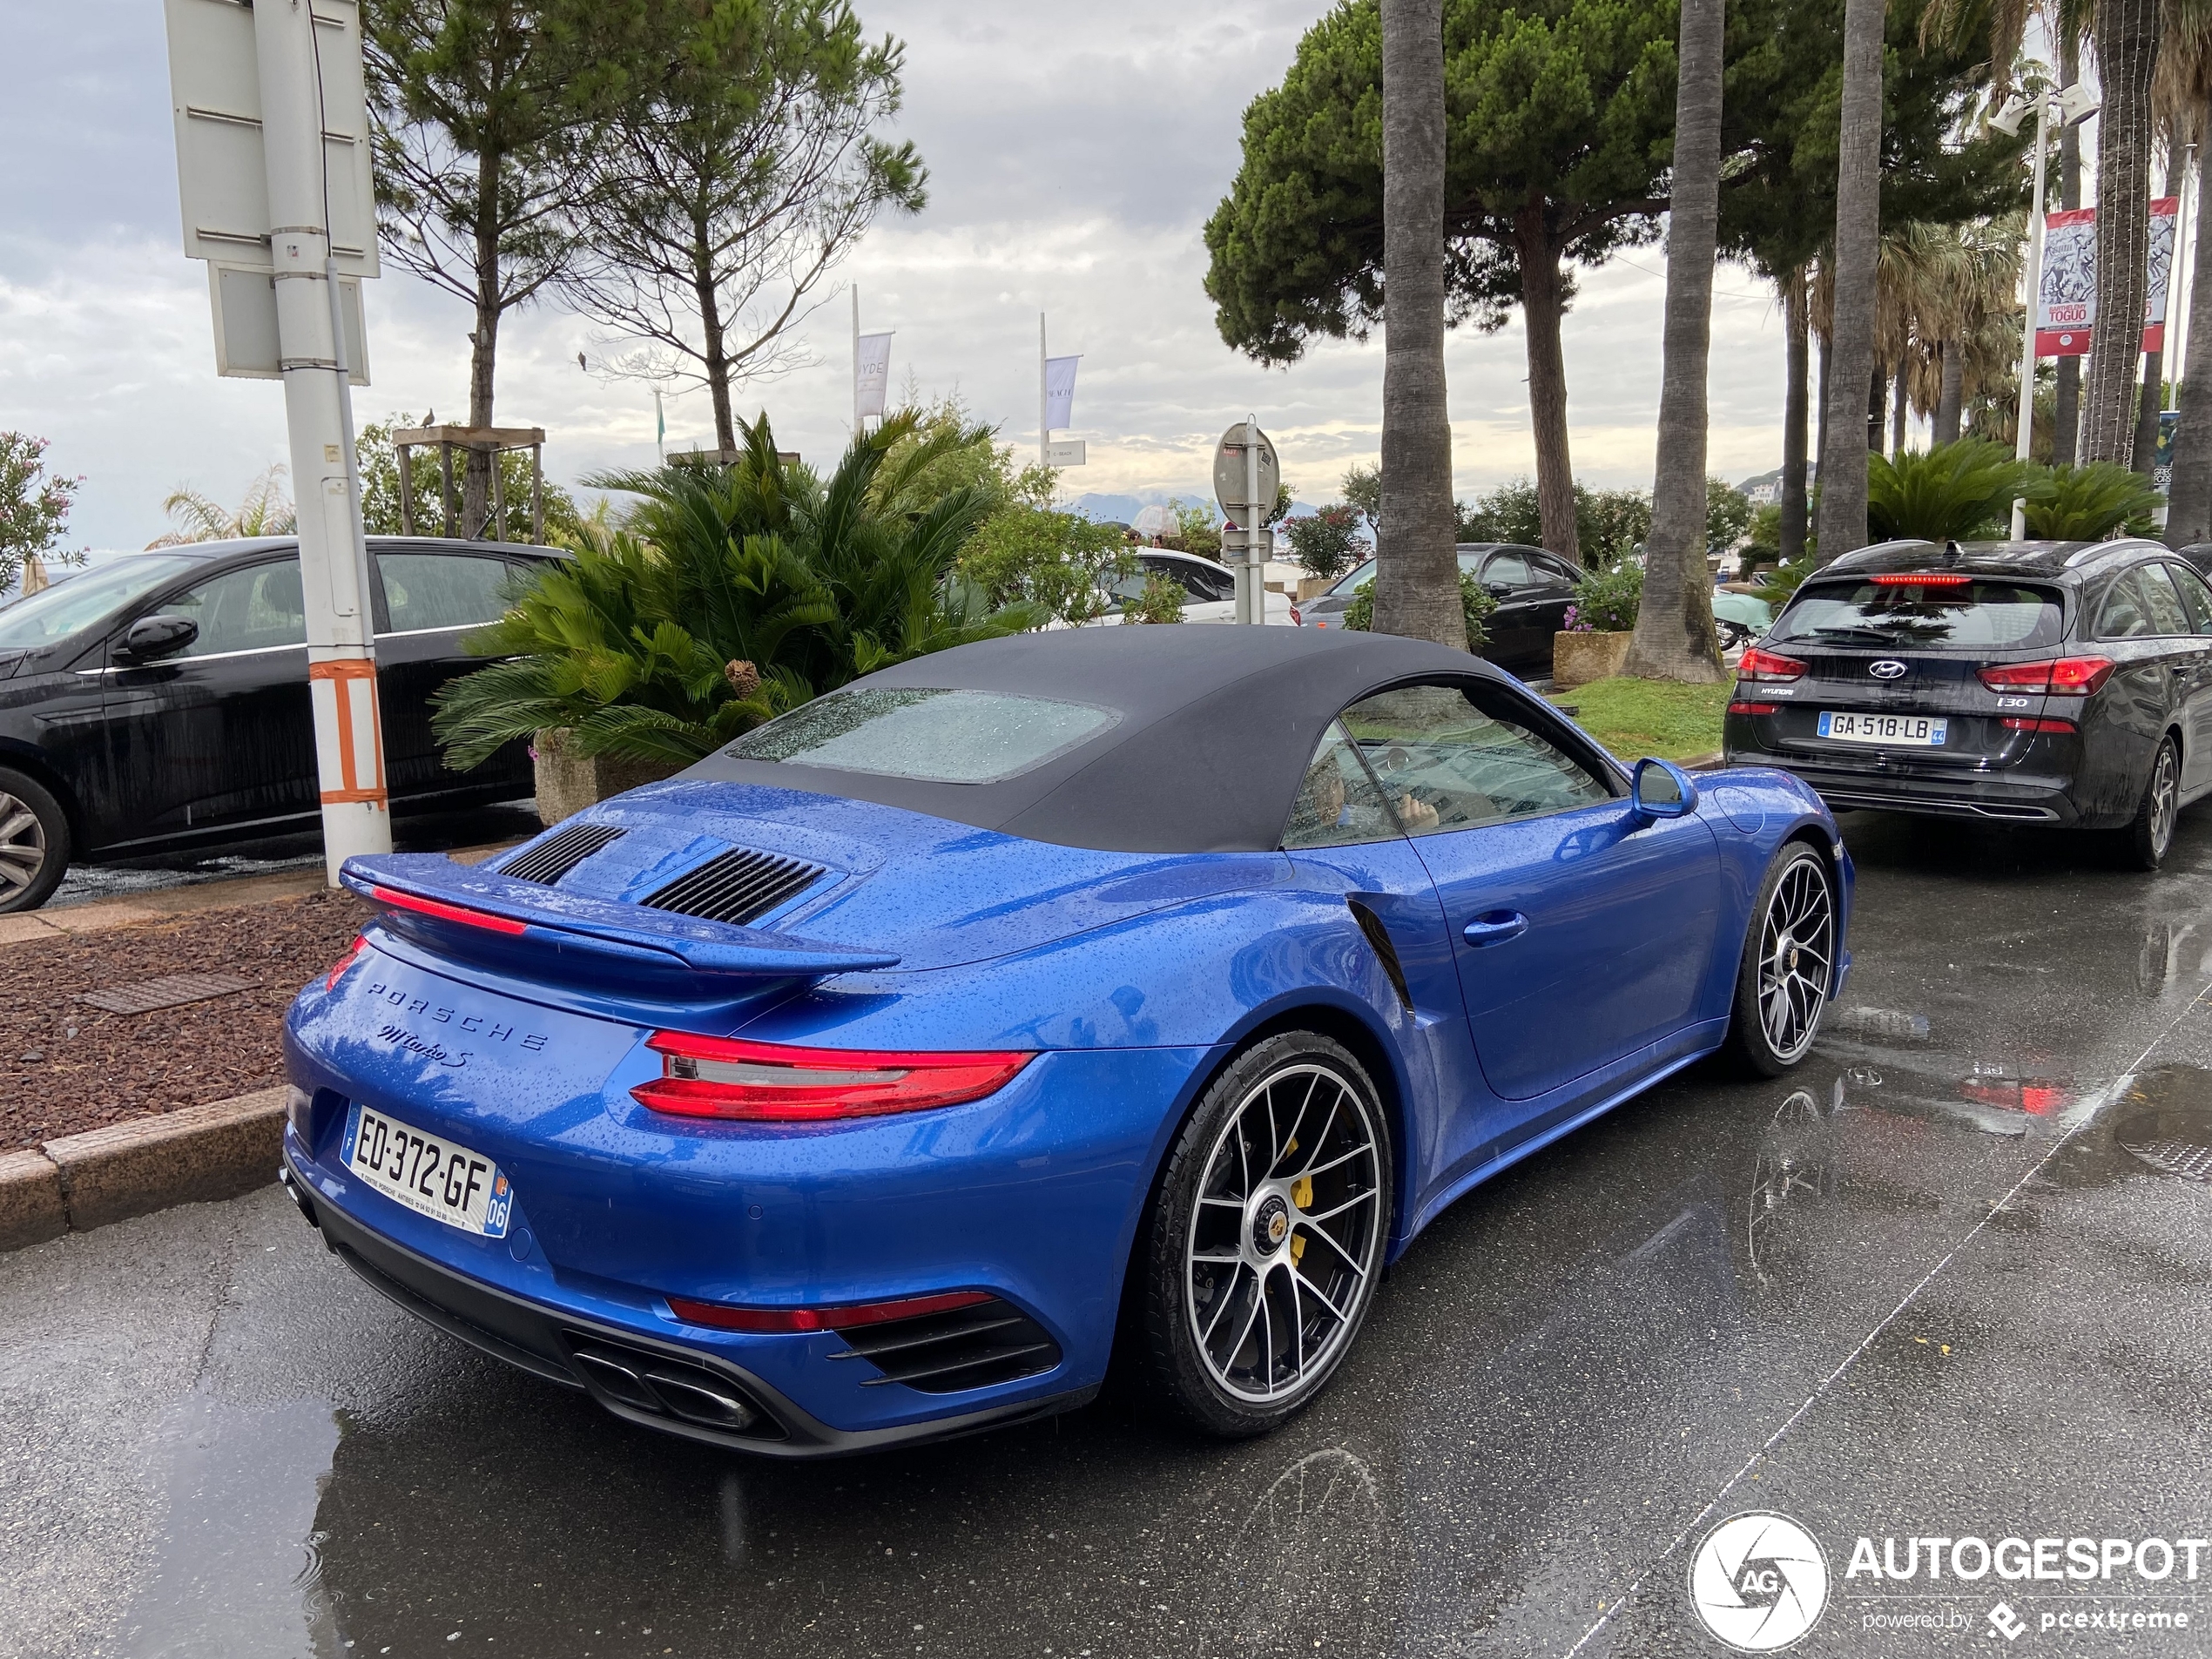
[1579, 658]
[567, 783]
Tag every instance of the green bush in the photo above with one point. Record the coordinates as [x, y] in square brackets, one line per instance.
[2089, 503]
[730, 595]
[1058, 562]
[1961, 491]
[1360, 613]
[1607, 600]
[1161, 600]
[1327, 543]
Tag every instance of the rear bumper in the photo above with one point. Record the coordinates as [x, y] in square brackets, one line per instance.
[579, 1351]
[1997, 797]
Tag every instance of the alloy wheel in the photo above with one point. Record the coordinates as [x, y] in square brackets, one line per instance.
[2165, 800]
[1797, 957]
[23, 847]
[1286, 1234]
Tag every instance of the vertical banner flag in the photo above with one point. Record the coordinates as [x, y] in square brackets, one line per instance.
[871, 374]
[1060, 392]
[2065, 306]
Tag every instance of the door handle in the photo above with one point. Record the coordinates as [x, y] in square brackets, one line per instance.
[1495, 927]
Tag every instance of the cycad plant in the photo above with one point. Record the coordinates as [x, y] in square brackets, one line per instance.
[1954, 491]
[2087, 503]
[730, 595]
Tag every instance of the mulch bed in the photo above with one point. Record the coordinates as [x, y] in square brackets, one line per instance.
[66, 1066]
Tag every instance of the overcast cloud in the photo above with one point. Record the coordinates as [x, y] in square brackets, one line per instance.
[1074, 152]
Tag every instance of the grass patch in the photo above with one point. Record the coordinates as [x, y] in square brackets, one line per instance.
[1638, 717]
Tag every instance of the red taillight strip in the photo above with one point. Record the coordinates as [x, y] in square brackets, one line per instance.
[1754, 708]
[733, 1078]
[445, 912]
[1756, 664]
[1921, 579]
[2065, 727]
[2062, 677]
[850, 1316]
[352, 954]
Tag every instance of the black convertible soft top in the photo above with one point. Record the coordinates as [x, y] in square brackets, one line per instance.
[1216, 726]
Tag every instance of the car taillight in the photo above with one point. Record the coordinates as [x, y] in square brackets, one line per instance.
[352, 954]
[1921, 579]
[1296, 617]
[2065, 726]
[847, 1317]
[768, 1082]
[1754, 708]
[1756, 664]
[2061, 676]
[445, 912]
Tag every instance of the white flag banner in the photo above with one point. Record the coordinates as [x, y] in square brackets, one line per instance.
[871, 374]
[1060, 392]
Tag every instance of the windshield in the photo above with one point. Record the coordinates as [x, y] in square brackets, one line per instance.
[77, 602]
[939, 736]
[1952, 615]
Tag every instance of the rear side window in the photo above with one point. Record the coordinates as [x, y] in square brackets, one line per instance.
[425, 590]
[2143, 605]
[2196, 598]
[939, 736]
[1978, 614]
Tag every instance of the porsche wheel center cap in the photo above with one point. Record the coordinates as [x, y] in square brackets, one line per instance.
[1270, 1225]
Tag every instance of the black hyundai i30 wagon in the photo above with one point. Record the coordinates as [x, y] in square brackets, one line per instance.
[2056, 683]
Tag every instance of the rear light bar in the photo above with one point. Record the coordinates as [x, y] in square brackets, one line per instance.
[1921, 579]
[849, 1316]
[2056, 726]
[1756, 664]
[768, 1082]
[1754, 708]
[2059, 677]
[352, 954]
[445, 912]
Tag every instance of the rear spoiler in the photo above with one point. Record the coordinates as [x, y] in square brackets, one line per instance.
[428, 896]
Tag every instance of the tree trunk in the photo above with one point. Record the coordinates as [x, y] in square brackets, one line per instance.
[1878, 410]
[1820, 405]
[1417, 573]
[2188, 514]
[1950, 403]
[2066, 424]
[1540, 312]
[1796, 346]
[1904, 390]
[712, 334]
[1858, 230]
[2126, 36]
[483, 352]
[2147, 404]
[1675, 636]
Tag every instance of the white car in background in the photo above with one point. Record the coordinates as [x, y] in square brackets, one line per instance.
[1210, 589]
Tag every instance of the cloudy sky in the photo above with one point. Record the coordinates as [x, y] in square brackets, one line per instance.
[1074, 152]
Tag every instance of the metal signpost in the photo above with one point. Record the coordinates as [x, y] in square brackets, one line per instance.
[1246, 476]
[273, 179]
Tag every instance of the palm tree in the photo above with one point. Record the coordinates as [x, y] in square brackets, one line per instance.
[266, 511]
[2183, 94]
[2127, 37]
[1675, 638]
[1796, 356]
[1856, 254]
[1417, 575]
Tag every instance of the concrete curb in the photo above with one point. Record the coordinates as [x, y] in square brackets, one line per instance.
[195, 1155]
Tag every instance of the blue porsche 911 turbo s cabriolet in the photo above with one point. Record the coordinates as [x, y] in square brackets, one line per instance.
[1130, 991]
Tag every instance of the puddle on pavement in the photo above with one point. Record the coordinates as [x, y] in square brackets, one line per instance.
[2161, 1125]
[238, 1572]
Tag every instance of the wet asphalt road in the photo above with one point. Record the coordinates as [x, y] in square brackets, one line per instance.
[1923, 1287]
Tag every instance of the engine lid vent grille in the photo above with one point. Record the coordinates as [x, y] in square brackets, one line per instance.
[736, 886]
[560, 852]
[942, 1353]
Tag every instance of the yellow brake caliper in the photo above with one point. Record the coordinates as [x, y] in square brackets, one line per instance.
[1302, 1195]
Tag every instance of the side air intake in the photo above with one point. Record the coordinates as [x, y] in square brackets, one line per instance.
[736, 886]
[560, 852]
[992, 1341]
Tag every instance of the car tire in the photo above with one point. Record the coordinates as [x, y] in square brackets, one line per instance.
[1225, 1246]
[2150, 835]
[34, 842]
[1788, 966]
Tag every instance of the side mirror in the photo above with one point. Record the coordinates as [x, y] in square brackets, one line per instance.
[1497, 590]
[1661, 789]
[152, 636]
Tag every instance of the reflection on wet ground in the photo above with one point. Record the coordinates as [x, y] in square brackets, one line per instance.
[1955, 1261]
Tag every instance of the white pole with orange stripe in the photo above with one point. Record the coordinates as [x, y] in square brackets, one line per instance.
[318, 406]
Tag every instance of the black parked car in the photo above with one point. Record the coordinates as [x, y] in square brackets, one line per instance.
[2063, 683]
[1532, 589]
[159, 701]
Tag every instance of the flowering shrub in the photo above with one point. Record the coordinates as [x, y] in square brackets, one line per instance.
[1606, 600]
